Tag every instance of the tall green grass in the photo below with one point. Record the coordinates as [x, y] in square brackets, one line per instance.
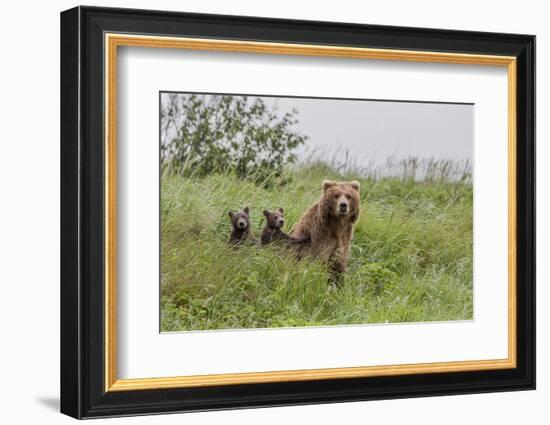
[411, 255]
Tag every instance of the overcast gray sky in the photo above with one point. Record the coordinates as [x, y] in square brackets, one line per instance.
[372, 131]
[376, 130]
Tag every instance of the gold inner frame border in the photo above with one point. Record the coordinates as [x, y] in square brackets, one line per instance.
[113, 40]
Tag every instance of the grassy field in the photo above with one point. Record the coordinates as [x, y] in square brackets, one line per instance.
[411, 256]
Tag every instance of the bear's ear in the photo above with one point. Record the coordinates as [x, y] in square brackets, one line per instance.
[266, 213]
[246, 210]
[281, 210]
[326, 184]
[355, 184]
[230, 214]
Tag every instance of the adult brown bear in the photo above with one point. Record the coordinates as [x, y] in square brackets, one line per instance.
[329, 224]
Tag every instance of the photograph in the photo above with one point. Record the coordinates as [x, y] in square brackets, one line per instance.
[282, 212]
[262, 211]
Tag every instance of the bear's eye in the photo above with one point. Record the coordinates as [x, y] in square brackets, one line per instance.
[336, 195]
[348, 196]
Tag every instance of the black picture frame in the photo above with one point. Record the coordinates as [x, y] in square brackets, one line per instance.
[83, 392]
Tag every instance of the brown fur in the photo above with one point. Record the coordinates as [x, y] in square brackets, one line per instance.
[272, 230]
[327, 227]
[240, 234]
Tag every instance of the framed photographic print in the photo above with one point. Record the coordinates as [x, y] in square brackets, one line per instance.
[261, 212]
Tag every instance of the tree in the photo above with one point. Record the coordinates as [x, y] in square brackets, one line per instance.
[204, 134]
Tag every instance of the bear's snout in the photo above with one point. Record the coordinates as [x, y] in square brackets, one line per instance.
[280, 223]
[343, 207]
[241, 223]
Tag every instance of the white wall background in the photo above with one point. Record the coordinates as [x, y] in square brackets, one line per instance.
[29, 211]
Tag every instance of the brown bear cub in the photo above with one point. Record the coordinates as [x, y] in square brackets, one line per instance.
[240, 223]
[272, 229]
[273, 232]
[329, 225]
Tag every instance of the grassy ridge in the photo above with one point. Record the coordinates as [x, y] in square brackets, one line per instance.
[411, 255]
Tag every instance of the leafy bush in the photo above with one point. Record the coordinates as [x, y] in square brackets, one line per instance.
[205, 134]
